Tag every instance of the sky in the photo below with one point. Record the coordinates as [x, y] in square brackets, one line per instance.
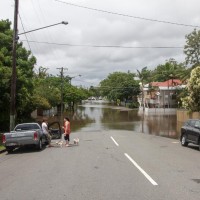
[104, 36]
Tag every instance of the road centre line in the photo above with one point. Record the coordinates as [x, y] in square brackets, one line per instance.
[141, 170]
[114, 141]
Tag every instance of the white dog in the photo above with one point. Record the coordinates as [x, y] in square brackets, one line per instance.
[60, 143]
[76, 141]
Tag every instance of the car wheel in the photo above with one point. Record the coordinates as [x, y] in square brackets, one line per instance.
[199, 144]
[39, 145]
[9, 149]
[184, 140]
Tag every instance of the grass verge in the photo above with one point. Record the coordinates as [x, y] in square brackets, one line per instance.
[2, 147]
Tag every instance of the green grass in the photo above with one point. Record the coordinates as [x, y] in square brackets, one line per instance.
[2, 147]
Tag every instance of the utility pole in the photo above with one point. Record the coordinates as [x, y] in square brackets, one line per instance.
[61, 76]
[14, 73]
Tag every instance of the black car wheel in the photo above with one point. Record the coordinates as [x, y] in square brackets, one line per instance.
[9, 149]
[184, 140]
[199, 144]
[39, 145]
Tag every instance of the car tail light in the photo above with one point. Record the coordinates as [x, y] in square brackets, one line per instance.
[4, 139]
[35, 136]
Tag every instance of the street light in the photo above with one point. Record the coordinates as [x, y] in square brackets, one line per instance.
[63, 22]
[14, 73]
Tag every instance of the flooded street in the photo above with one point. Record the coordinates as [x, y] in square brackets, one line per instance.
[98, 116]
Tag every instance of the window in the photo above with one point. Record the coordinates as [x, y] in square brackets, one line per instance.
[197, 124]
[25, 127]
[192, 123]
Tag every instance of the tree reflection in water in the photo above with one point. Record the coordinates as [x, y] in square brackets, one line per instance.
[99, 117]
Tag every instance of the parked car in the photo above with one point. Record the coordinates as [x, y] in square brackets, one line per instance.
[190, 132]
[27, 134]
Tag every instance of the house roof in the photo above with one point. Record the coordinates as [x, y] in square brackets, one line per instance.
[168, 83]
[171, 84]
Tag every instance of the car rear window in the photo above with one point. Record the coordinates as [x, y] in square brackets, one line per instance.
[191, 122]
[24, 127]
[197, 124]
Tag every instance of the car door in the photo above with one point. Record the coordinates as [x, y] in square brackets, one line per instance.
[196, 131]
[55, 130]
[190, 130]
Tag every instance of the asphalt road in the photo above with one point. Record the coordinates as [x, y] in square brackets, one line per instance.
[108, 165]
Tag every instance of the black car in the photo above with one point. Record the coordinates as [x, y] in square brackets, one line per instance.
[190, 132]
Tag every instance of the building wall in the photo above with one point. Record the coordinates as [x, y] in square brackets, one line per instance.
[160, 101]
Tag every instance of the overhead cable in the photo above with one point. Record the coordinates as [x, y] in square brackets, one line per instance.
[25, 34]
[126, 15]
[105, 46]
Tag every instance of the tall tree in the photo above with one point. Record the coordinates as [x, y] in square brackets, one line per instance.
[47, 91]
[120, 85]
[192, 101]
[25, 65]
[169, 70]
[144, 75]
[74, 95]
[192, 48]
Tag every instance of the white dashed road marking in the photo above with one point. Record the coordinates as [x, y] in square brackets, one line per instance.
[141, 170]
[114, 141]
[136, 165]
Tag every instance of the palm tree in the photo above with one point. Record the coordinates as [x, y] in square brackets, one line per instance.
[144, 77]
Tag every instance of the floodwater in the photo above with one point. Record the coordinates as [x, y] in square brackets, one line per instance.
[98, 116]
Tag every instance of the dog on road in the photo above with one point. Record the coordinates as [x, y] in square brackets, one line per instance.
[76, 141]
[60, 143]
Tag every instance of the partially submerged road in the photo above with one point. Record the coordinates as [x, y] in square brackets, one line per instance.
[107, 165]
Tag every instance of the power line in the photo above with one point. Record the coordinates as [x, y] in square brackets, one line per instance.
[116, 88]
[49, 35]
[25, 34]
[27, 22]
[126, 15]
[105, 46]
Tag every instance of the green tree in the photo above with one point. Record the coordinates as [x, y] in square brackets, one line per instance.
[24, 88]
[192, 101]
[47, 91]
[95, 92]
[192, 48]
[119, 85]
[169, 70]
[73, 95]
[144, 75]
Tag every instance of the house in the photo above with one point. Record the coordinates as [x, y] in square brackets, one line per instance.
[160, 94]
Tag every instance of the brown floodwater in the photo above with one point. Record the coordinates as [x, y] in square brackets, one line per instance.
[98, 116]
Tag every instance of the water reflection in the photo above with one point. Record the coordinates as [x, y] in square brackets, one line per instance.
[99, 117]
